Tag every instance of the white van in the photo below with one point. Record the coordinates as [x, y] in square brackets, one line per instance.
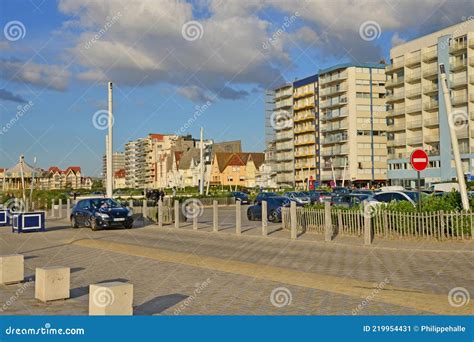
[444, 187]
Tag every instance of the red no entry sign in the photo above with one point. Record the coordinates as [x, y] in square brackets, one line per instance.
[419, 160]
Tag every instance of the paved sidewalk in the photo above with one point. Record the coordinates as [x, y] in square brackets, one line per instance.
[169, 287]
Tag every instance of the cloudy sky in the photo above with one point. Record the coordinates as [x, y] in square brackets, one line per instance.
[168, 58]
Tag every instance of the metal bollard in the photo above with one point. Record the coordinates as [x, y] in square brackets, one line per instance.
[176, 214]
[68, 208]
[264, 218]
[238, 218]
[327, 222]
[215, 216]
[160, 214]
[60, 209]
[293, 220]
[52, 208]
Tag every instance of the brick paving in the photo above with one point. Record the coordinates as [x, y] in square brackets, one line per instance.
[170, 288]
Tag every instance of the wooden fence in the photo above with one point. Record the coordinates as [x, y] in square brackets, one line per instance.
[385, 224]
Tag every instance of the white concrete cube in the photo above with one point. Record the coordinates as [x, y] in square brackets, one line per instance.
[11, 268]
[52, 283]
[113, 298]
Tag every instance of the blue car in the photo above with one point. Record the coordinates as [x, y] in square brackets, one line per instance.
[99, 213]
[264, 196]
[240, 196]
[274, 205]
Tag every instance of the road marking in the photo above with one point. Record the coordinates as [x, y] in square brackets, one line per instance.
[415, 299]
[419, 160]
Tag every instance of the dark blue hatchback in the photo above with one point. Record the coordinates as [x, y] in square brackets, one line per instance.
[99, 213]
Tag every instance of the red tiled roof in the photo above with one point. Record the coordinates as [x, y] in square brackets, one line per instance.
[54, 169]
[159, 137]
[120, 173]
[74, 169]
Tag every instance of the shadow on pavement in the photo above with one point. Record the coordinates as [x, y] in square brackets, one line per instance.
[158, 304]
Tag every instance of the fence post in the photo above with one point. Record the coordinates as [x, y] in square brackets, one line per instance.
[215, 217]
[160, 213]
[367, 224]
[264, 218]
[195, 221]
[327, 222]
[293, 220]
[68, 208]
[130, 203]
[176, 213]
[238, 218]
[60, 209]
[145, 209]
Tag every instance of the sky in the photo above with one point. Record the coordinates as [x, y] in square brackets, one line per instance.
[177, 65]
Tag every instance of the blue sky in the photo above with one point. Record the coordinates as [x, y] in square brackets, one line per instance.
[162, 73]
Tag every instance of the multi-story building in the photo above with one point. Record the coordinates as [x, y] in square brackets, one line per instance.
[282, 121]
[131, 164]
[417, 113]
[118, 163]
[353, 123]
[306, 131]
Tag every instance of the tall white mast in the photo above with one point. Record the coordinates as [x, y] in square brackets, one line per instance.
[109, 151]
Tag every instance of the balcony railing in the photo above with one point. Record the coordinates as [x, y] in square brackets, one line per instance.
[417, 139]
[431, 105]
[335, 126]
[431, 138]
[458, 65]
[413, 108]
[333, 90]
[459, 99]
[394, 82]
[335, 139]
[411, 61]
[398, 126]
[430, 88]
[335, 115]
[335, 150]
[457, 46]
[429, 55]
[337, 101]
[413, 77]
[434, 121]
[413, 92]
[396, 142]
[414, 124]
[392, 97]
[396, 111]
[430, 71]
[332, 78]
[471, 43]
[395, 66]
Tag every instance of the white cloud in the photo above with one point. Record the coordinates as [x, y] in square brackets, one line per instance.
[397, 40]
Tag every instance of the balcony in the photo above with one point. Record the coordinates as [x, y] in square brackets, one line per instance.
[333, 78]
[414, 124]
[395, 97]
[396, 142]
[431, 105]
[398, 126]
[432, 88]
[337, 101]
[431, 122]
[341, 125]
[430, 72]
[458, 82]
[459, 100]
[413, 77]
[397, 65]
[305, 152]
[303, 93]
[471, 43]
[333, 139]
[457, 47]
[413, 108]
[335, 115]
[396, 111]
[413, 61]
[462, 133]
[305, 129]
[471, 61]
[471, 79]
[335, 150]
[397, 155]
[333, 90]
[414, 140]
[394, 82]
[308, 141]
[458, 65]
[303, 117]
[284, 136]
[412, 93]
[429, 55]
[431, 138]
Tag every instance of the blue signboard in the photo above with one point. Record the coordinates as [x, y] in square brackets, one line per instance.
[4, 218]
[28, 222]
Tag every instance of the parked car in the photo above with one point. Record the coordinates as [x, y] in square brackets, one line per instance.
[265, 195]
[99, 213]
[444, 187]
[389, 196]
[349, 200]
[341, 190]
[240, 196]
[274, 205]
[318, 196]
[298, 197]
[363, 192]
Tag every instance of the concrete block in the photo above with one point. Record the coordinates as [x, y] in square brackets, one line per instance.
[52, 283]
[113, 298]
[11, 268]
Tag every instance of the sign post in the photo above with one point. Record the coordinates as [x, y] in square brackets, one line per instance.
[419, 161]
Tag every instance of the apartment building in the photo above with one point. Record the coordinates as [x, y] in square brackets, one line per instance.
[306, 131]
[353, 126]
[282, 121]
[118, 163]
[417, 113]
